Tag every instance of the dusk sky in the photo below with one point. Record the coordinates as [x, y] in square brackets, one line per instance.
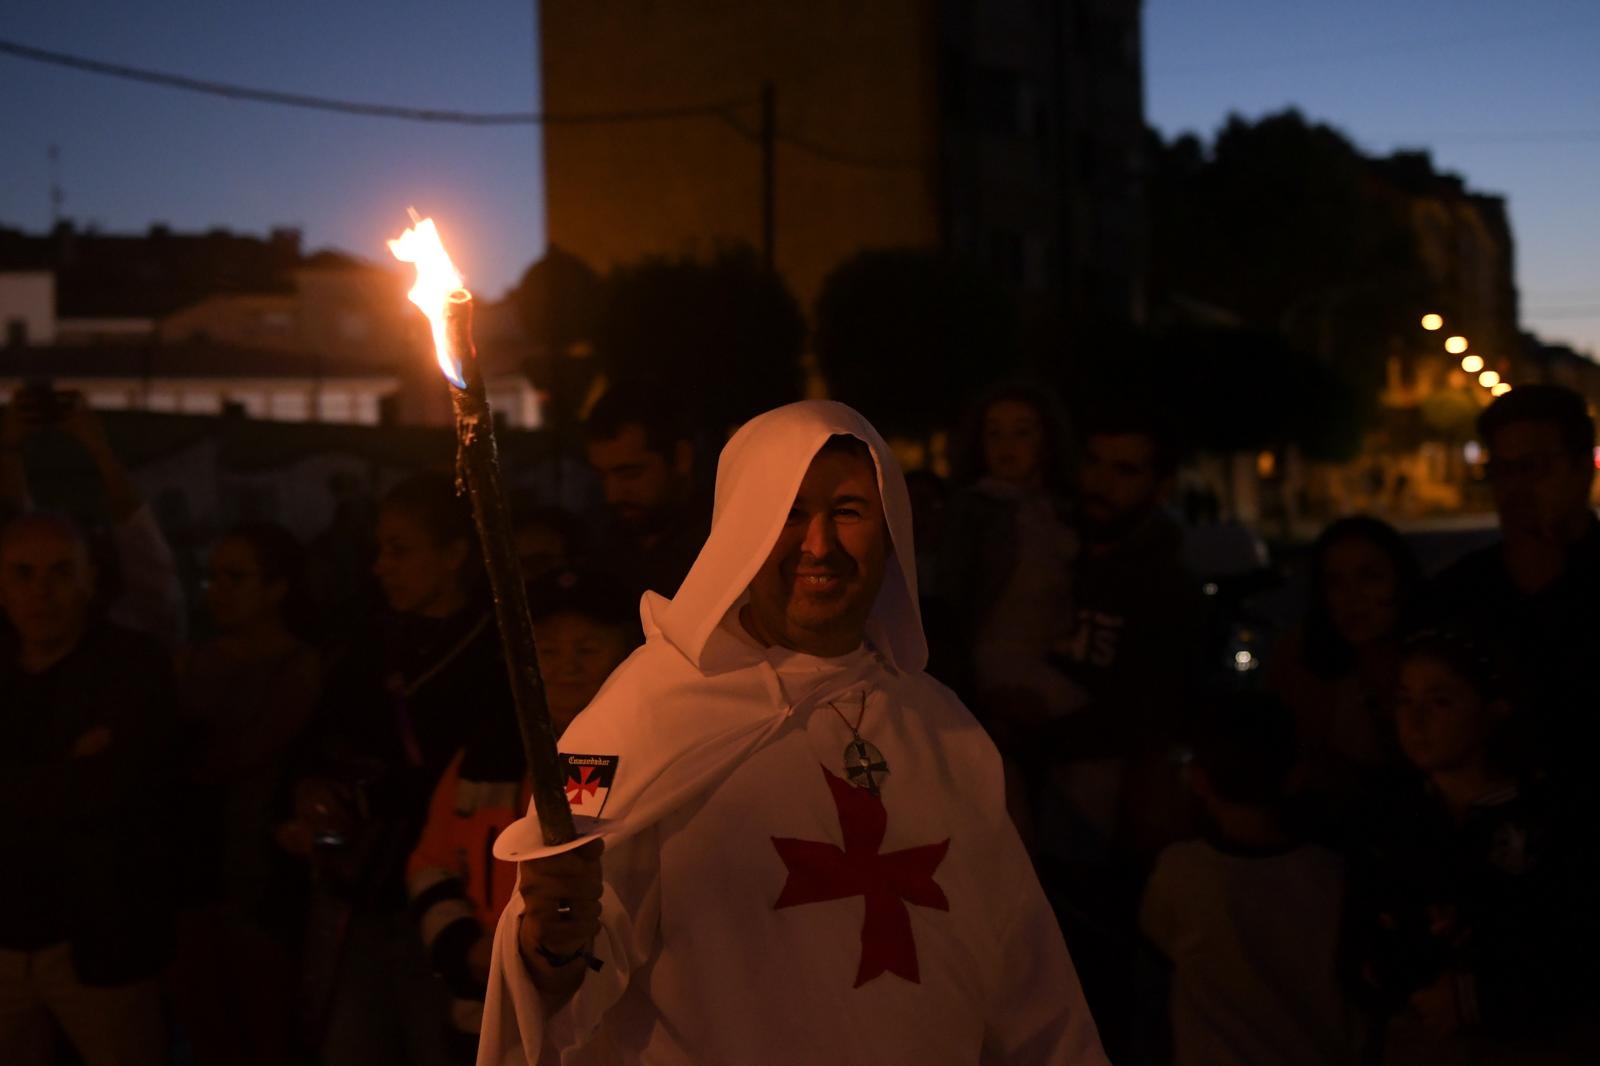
[1508, 95]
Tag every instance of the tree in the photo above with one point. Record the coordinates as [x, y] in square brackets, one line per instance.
[907, 336]
[557, 301]
[1287, 226]
[1283, 227]
[1227, 389]
[722, 337]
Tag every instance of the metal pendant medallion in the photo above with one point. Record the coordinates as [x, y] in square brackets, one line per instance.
[864, 765]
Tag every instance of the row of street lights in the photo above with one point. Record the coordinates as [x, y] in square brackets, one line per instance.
[1472, 364]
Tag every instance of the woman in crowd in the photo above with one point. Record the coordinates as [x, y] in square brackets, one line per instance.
[1006, 561]
[401, 700]
[1336, 672]
[1002, 586]
[247, 695]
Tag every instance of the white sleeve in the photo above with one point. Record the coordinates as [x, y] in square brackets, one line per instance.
[152, 597]
[515, 1029]
[1036, 1012]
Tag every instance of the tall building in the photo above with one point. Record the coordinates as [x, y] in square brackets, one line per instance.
[1467, 251]
[1008, 131]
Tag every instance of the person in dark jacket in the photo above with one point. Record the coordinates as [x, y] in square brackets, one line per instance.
[1001, 590]
[87, 751]
[246, 696]
[1135, 642]
[1004, 570]
[1536, 593]
[398, 703]
[1475, 924]
[655, 521]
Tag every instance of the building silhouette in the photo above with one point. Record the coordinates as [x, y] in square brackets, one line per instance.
[1008, 132]
[201, 323]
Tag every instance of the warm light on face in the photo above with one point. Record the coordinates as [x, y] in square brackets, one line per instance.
[1501, 389]
[1432, 322]
[1472, 364]
[1488, 379]
[1455, 345]
[437, 283]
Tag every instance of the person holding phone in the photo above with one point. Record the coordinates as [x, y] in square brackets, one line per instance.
[150, 597]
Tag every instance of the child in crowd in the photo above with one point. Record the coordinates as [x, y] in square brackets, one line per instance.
[1475, 930]
[1250, 915]
[584, 625]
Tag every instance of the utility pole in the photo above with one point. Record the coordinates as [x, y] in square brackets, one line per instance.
[56, 195]
[769, 172]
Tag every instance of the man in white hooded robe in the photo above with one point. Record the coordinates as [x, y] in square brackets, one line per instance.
[807, 856]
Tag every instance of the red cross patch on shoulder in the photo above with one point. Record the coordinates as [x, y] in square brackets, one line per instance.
[589, 780]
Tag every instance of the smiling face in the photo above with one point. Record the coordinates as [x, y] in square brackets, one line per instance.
[576, 655]
[818, 584]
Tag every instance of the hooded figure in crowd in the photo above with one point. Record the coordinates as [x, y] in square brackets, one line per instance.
[807, 856]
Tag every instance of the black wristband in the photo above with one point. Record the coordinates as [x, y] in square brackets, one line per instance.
[558, 961]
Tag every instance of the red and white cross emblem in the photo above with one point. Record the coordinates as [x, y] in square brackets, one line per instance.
[585, 784]
[820, 871]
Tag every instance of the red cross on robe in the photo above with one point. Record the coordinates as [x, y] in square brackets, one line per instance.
[819, 871]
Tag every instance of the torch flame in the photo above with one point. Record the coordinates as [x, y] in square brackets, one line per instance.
[438, 282]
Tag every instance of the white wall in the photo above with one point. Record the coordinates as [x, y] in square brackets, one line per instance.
[29, 297]
[346, 401]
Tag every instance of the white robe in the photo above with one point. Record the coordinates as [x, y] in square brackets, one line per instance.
[721, 810]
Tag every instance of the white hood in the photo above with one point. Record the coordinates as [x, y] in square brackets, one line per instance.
[758, 476]
[699, 696]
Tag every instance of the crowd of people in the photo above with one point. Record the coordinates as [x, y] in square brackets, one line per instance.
[263, 831]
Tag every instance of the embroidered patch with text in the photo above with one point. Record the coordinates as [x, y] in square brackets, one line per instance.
[589, 780]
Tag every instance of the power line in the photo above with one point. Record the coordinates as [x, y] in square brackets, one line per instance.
[724, 110]
[351, 107]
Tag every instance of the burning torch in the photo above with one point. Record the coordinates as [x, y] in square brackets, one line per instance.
[440, 295]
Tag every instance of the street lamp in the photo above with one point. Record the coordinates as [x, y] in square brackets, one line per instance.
[1432, 322]
[1500, 389]
[1489, 379]
[1455, 345]
[1472, 364]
